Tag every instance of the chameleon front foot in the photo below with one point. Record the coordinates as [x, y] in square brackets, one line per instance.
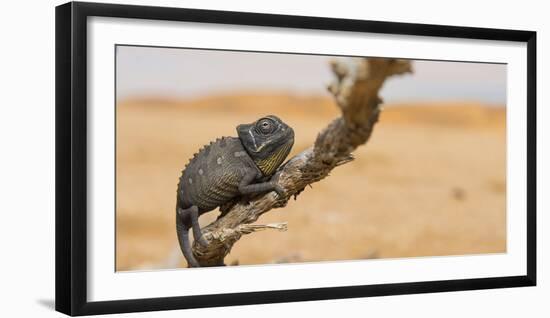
[279, 190]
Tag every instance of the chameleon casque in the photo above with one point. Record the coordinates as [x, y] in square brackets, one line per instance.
[227, 168]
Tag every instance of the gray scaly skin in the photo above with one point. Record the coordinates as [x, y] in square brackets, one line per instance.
[227, 168]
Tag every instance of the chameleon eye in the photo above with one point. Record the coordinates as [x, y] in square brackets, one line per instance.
[265, 126]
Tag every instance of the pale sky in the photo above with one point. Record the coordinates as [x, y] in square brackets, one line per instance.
[191, 73]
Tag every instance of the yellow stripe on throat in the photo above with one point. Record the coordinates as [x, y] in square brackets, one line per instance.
[271, 163]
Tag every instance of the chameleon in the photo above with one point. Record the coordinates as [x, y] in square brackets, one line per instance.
[227, 168]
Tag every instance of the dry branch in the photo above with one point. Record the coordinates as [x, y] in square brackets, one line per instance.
[356, 94]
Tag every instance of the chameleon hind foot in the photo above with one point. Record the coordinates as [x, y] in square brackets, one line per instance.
[192, 214]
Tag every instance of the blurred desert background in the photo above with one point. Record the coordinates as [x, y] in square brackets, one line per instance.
[430, 182]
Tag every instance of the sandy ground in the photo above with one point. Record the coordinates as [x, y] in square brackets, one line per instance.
[430, 182]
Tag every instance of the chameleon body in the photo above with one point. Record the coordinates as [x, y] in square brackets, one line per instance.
[227, 168]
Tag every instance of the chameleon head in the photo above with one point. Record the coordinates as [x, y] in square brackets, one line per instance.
[268, 141]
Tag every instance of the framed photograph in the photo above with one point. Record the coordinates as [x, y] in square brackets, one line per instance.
[212, 158]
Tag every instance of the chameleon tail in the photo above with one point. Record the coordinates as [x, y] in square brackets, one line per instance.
[183, 237]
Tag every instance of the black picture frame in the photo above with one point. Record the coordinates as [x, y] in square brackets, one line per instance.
[71, 157]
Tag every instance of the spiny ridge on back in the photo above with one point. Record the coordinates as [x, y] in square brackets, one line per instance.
[203, 149]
